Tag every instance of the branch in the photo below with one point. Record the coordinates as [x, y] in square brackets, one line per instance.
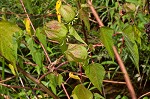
[83, 75]
[27, 14]
[18, 87]
[126, 76]
[7, 79]
[49, 92]
[34, 30]
[33, 15]
[65, 91]
[45, 75]
[146, 94]
[120, 62]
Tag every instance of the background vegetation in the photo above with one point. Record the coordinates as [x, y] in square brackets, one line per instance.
[56, 49]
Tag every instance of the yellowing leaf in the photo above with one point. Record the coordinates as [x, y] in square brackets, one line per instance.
[27, 25]
[71, 75]
[8, 44]
[56, 31]
[12, 69]
[76, 52]
[59, 17]
[96, 73]
[58, 4]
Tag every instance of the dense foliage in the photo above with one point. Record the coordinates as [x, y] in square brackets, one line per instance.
[56, 49]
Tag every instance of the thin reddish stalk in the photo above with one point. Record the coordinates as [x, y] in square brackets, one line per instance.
[83, 75]
[119, 60]
[34, 30]
[65, 91]
[18, 87]
[126, 76]
[7, 79]
[46, 54]
[95, 14]
[146, 94]
[27, 14]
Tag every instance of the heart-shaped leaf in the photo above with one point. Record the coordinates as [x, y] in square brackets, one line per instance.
[80, 92]
[95, 72]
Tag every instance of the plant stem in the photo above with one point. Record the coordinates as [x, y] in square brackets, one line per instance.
[65, 91]
[27, 15]
[20, 87]
[34, 30]
[120, 62]
[85, 33]
[126, 76]
[49, 92]
[83, 25]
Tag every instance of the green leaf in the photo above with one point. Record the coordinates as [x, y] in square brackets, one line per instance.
[129, 37]
[129, 7]
[80, 92]
[85, 18]
[63, 46]
[38, 60]
[67, 13]
[28, 5]
[134, 1]
[41, 37]
[59, 80]
[31, 45]
[5, 70]
[98, 96]
[133, 50]
[124, 97]
[108, 63]
[137, 34]
[73, 32]
[106, 38]
[95, 72]
[142, 19]
[8, 44]
[37, 54]
[129, 32]
[54, 81]
[145, 98]
[76, 52]
[118, 97]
